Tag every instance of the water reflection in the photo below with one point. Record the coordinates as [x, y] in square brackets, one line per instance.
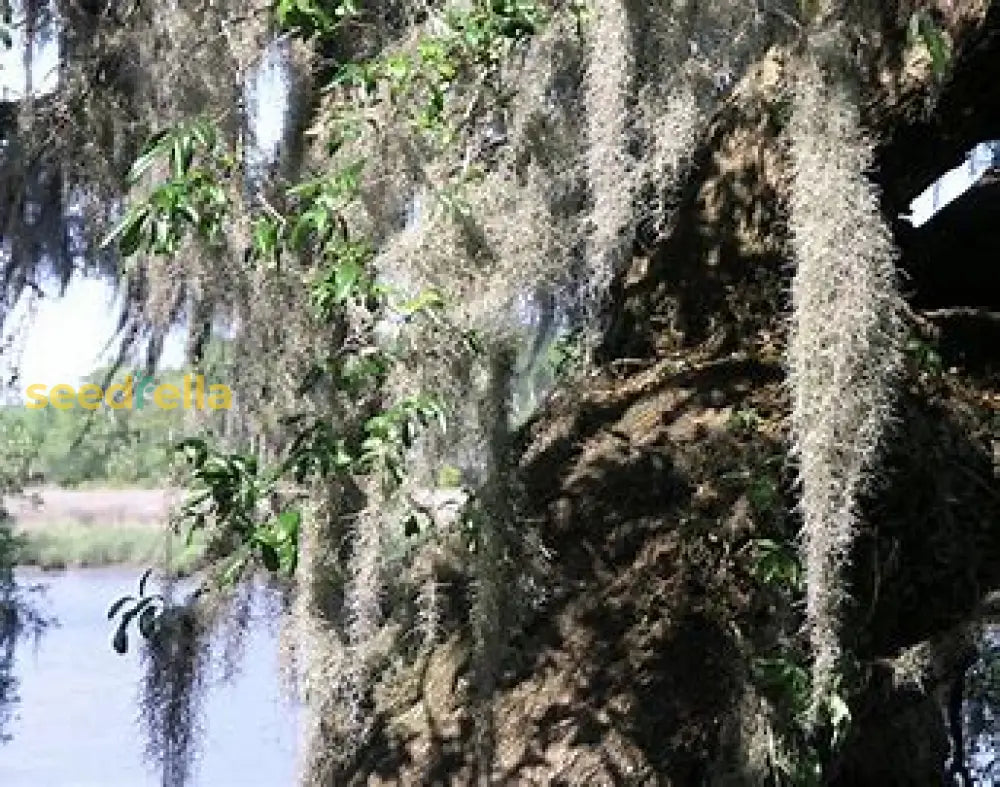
[76, 722]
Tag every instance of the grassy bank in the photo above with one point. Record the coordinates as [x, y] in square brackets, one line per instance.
[72, 544]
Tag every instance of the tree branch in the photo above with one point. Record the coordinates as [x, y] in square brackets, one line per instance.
[961, 311]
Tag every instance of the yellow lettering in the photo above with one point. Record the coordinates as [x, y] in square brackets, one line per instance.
[123, 402]
[161, 394]
[89, 396]
[36, 393]
[62, 397]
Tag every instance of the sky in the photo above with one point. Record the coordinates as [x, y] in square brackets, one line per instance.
[954, 183]
[69, 335]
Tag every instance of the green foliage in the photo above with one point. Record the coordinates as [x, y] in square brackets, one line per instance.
[449, 477]
[145, 609]
[69, 449]
[761, 483]
[924, 356]
[279, 542]
[744, 421]
[475, 38]
[482, 32]
[388, 434]
[318, 205]
[266, 239]
[190, 201]
[426, 302]
[925, 30]
[777, 564]
[566, 354]
[345, 278]
[763, 494]
[226, 490]
[807, 737]
[319, 18]
[785, 677]
[227, 485]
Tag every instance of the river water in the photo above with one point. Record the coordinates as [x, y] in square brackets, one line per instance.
[76, 724]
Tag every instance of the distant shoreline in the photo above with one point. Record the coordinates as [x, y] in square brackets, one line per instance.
[44, 507]
[78, 528]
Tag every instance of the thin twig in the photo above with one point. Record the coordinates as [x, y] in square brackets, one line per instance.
[928, 328]
[787, 17]
[961, 311]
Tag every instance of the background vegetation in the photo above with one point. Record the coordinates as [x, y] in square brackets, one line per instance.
[106, 447]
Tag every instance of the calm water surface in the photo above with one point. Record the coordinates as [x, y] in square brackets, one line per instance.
[76, 723]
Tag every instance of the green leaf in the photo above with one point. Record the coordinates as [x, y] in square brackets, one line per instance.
[204, 132]
[232, 571]
[300, 231]
[289, 523]
[306, 189]
[120, 641]
[347, 277]
[342, 459]
[194, 449]
[143, 580]
[398, 67]
[148, 157]
[116, 607]
[128, 232]
[936, 42]
[191, 214]
[265, 237]
[425, 301]
[270, 557]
